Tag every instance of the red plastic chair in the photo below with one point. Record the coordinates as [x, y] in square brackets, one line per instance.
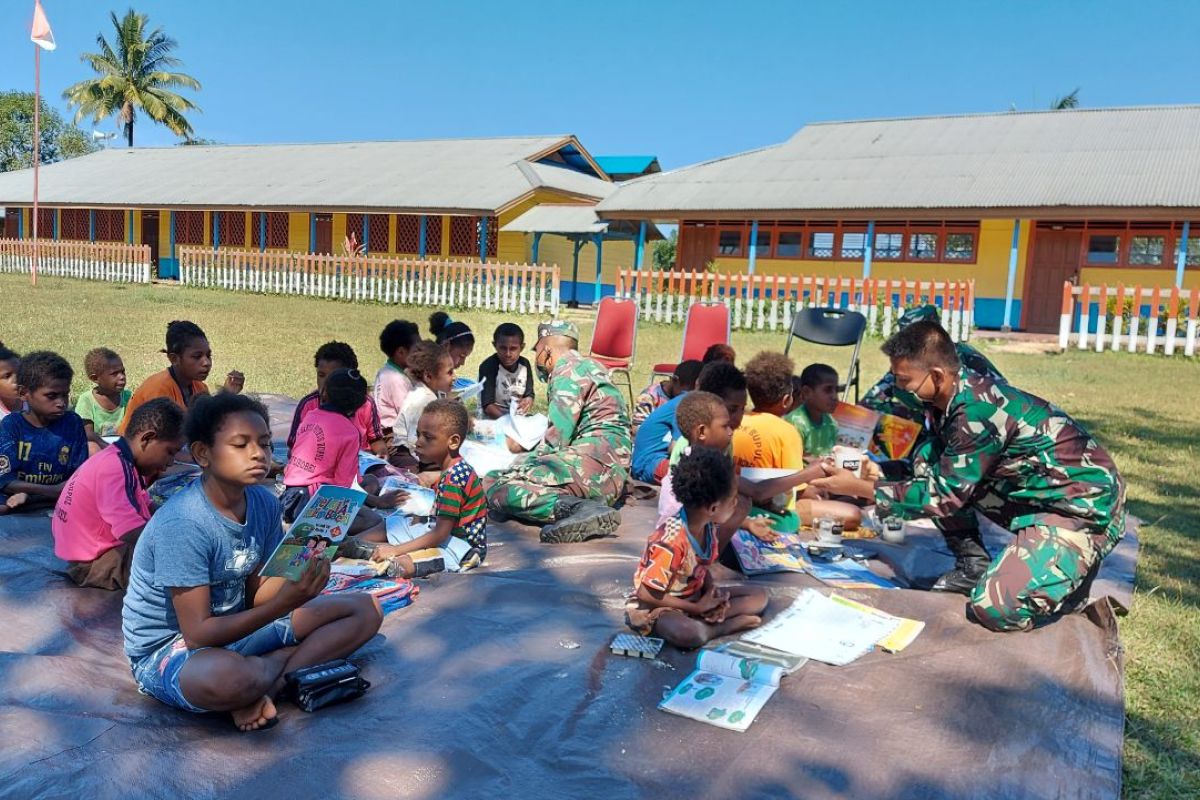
[614, 339]
[707, 324]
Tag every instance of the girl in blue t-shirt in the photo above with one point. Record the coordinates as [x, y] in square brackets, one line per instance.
[203, 631]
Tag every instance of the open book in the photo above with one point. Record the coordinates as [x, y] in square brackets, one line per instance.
[789, 553]
[724, 690]
[824, 629]
[318, 530]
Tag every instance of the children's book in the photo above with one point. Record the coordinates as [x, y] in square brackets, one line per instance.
[392, 593]
[743, 649]
[526, 430]
[466, 389]
[316, 533]
[357, 567]
[856, 425]
[820, 628]
[895, 436]
[420, 499]
[485, 458]
[902, 637]
[789, 553]
[724, 690]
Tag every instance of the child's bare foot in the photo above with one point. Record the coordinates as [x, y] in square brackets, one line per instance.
[14, 502]
[743, 622]
[384, 552]
[254, 716]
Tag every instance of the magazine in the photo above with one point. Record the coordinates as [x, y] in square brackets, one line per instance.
[823, 629]
[856, 425]
[897, 640]
[724, 690]
[789, 553]
[316, 533]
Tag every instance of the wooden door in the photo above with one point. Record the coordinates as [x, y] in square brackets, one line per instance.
[150, 234]
[697, 246]
[1055, 259]
[324, 234]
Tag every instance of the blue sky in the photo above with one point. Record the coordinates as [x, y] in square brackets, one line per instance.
[686, 81]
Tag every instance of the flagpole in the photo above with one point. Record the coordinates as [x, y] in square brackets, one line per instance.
[37, 137]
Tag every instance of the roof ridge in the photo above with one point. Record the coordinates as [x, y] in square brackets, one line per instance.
[1010, 113]
[175, 147]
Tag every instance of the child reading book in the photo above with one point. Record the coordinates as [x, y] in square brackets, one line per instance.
[458, 539]
[325, 451]
[506, 375]
[331, 357]
[202, 631]
[813, 415]
[674, 593]
[392, 383]
[102, 408]
[104, 506]
[43, 445]
[456, 337]
[190, 355]
[10, 398]
[431, 369]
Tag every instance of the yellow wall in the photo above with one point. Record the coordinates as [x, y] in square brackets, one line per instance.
[558, 249]
[990, 270]
[1163, 277]
[298, 232]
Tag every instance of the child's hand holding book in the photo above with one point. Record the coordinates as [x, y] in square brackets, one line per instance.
[294, 594]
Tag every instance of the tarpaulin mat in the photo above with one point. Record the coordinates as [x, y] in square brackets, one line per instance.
[501, 681]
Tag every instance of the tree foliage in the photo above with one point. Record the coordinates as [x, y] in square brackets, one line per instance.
[58, 140]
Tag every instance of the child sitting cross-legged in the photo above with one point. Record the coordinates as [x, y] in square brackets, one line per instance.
[105, 505]
[203, 632]
[103, 407]
[458, 540]
[43, 445]
[325, 451]
[675, 596]
[331, 357]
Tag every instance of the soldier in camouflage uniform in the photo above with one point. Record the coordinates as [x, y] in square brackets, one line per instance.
[1019, 461]
[569, 483]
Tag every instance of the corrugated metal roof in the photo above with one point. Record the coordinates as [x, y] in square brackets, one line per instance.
[1087, 158]
[471, 175]
[571, 220]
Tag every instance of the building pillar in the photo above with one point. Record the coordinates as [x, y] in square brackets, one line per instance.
[171, 237]
[753, 246]
[91, 224]
[366, 231]
[262, 231]
[598, 240]
[312, 232]
[1181, 258]
[57, 216]
[216, 219]
[869, 249]
[640, 252]
[421, 238]
[129, 225]
[1013, 255]
[482, 240]
[575, 275]
[21, 224]
[537, 240]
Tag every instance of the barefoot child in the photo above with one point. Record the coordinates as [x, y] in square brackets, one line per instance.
[104, 507]
[392, 383]
[458, 540]
[674, 593]
[184, 380]
[202, 631]
[43, 445]
[331, 357]
[456, 337]
[102, 408]
[325, 451]
[506, 374]
[431, 369]
[10, 398]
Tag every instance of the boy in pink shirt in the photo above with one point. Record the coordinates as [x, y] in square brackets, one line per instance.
[331, 357]
[105, 505]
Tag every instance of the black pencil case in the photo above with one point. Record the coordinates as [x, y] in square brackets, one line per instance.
[327, 684]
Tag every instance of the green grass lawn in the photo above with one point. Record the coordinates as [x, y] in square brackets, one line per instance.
[1142, 408]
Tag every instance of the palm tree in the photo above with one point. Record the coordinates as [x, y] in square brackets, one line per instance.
[132, 77]
[1066, 102]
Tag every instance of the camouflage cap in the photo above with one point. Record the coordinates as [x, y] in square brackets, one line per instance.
[925, 313]
[559, 327]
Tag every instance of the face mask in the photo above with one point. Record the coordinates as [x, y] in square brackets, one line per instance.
[913, 400]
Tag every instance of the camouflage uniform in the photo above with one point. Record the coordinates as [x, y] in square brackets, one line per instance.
[1026, 465]
[586, 450]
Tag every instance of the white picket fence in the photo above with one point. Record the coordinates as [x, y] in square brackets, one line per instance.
[117, 262]
[768, 302]
[520, 288]
[1135, 319]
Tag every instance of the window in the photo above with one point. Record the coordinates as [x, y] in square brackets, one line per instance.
[1146, 250]
[492, 225]
[790, 244]
[433, 236]
[820, 244]
[729, 243]
[923, 247]
[276, 224]
[1103, 248]
[854, 245]
[960, 247]
[889, 246]
[12, 222]
[189, 227]
[75, 224]
[408, 233]
[762, 243]
[110, 225]
[377, 233]
[45, 221]
[1193, 250]
[232, 228]
[464, 236]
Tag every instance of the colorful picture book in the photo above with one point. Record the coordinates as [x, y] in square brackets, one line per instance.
[724, 690]
[856, 425]
[823, 629]
[392, 593]
[789, 553]
[740, 648]
[420, 498]
[316, 532]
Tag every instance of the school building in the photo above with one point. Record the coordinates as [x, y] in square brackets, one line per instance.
[449, 199]
[1019, 202]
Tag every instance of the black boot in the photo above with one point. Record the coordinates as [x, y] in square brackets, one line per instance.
[577, 520]
[971, 560]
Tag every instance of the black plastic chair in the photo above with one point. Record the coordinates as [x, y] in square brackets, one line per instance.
[833, 327]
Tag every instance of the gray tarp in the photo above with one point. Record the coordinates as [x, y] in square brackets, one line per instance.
[500, 681]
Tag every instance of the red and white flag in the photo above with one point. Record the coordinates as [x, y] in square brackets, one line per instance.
[40, 33]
